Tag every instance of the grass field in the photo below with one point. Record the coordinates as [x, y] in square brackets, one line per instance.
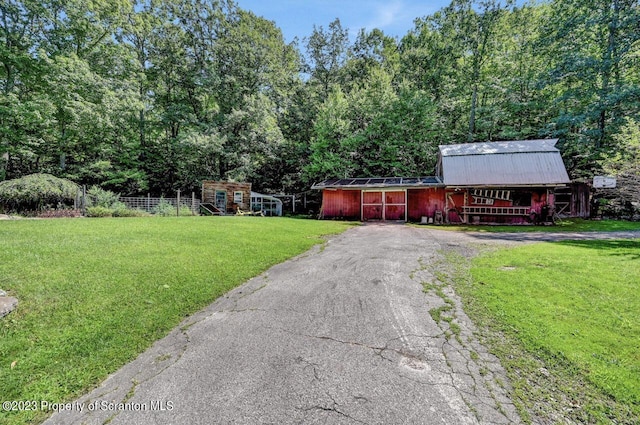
[94, 293]
[574, 306]
[566, 225]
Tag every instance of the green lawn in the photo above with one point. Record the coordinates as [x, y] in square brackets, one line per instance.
[566, 225]
[575, 305]
[94, 293]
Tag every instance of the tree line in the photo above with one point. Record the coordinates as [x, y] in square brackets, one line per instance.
[140, 96]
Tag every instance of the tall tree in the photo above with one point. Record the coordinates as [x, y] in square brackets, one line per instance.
[592, 44]
[374, 131]
[325, 57]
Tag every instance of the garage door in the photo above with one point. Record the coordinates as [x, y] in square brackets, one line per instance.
[395, 205]
[384, 205]
[372, 206]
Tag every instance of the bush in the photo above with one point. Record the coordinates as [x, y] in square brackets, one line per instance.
[164, 209]
[37, 192]
[104, 203]
[98, 197]
[99, 212]
[126, 212]
[185, 210]
[167, 209]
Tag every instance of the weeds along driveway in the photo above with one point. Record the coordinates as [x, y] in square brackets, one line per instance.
[342, 334]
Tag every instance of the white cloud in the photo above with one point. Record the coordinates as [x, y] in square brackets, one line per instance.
[397, 16]
[387, 14]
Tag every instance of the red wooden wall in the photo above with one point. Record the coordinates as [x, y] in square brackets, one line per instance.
[341, 204]
[346, 204]
[371, 206]
[424, 202]
[394, 207]
[456, 201]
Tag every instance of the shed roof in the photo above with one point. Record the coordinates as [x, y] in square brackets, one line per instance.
[378, 182]
[513, 163]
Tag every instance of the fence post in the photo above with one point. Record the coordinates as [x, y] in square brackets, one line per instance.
[178, 204]
[148, 202]
[193, 202]
[84, 200]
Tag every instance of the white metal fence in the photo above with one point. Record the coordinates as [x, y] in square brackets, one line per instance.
[144, 203]
[150, 204]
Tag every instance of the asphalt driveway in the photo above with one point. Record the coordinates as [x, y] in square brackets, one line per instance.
[341, 334]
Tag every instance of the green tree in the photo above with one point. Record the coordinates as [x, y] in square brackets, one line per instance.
[624, 164]
[374, 131]
[592, 47]
[326, 55]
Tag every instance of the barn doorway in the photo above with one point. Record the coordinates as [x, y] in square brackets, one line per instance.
[384, 205]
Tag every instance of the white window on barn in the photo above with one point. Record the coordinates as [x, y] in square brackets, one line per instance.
[237, 197]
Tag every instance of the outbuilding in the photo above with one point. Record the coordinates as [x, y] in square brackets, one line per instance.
[493, 182]
[224, 197]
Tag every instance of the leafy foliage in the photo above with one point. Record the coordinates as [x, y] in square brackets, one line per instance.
[98, 197]
[99, 211]
[154, 97]
[36, 192]
[624, 164]
[167, 209]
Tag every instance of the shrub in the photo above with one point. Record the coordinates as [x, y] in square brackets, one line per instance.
[167, 209]
[98, 197]
[37, 192]
[127, 212]
[104, 203]
[185, 210]
[99, 212]
[164, 209]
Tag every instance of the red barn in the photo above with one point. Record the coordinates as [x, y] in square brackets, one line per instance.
[494, 182]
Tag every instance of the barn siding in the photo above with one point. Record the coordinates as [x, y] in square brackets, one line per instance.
[455, 201]
[341, 204]
[424, 202]
[580, 200]
[574, 200]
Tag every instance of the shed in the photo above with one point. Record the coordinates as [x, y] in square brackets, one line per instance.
[226, 197]
[497, 182]
[222, 197]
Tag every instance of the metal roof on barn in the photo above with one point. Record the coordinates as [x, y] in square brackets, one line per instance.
[514, 146]
[513, 163]
[378, 182]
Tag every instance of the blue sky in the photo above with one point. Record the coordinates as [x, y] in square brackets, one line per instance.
[297, 17]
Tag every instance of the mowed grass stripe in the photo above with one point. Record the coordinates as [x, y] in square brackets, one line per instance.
[94, 293]
[576, 300]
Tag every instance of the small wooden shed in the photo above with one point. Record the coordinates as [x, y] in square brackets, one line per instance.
[227, 197]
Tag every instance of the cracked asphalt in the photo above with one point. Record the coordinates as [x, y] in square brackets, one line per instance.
[339, 335]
